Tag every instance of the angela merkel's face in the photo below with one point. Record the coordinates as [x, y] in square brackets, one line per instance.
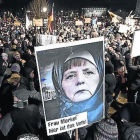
[80, 82]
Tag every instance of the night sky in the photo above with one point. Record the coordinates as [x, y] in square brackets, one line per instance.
[65, 5]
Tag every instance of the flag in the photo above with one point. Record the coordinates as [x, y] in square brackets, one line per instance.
[112, 14]
[27, 22]
[115, 18]
[51, 18]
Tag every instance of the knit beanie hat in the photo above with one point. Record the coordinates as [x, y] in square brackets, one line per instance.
[27, 137]
[15, 67]
[14, 78]
[14, 47]
[27, 57]
[22, 94]
[106, 130]
[108, 55]
[30, 64]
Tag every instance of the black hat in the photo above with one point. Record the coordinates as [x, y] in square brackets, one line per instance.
[130, 112]
[108, 55]
[109, 67]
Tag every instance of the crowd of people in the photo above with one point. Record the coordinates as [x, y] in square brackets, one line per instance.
[20, 97]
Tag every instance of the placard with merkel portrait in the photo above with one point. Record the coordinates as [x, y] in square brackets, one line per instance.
[72, 83]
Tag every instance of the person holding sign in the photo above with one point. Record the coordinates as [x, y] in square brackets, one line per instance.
[78, 81]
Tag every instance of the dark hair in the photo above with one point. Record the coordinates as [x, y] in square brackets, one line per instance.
[74, 62]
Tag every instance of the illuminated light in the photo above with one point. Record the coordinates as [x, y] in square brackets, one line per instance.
[44, 9]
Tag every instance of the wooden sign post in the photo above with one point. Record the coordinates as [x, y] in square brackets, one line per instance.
[76, 134]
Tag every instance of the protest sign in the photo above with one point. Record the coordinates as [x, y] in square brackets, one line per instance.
[87, 20]
[46, 39]
[123, 28]
[129, 21]
[66, 124]
[99, 23]
[78, 23]
[17, 23]
[71, 104]
[135, 46]
[45, 22]
[37, 22]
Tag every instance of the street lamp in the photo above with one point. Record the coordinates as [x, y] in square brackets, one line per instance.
[62, 12]
[44, 9]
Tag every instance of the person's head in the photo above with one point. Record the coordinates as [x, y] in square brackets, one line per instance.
[29, 51]
[107, 57]
[80, 76]
[15, 41]
[4, 56]
[106, 130]
[26, 39]
[118, 50]
[20, 97]
[16, 55]
[15, 68]
[30, 43]
[138, 61]
[2, 66]
[1, 42]
[14, 80]
[14, 47]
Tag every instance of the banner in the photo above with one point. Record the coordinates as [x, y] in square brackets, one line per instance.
[87, 20]
[135, 46]
[73, 76]
[115, 18]
[37, 22]
[47, 39]
[123, 28]
[89, 12]
[78, 23]
[17, 23]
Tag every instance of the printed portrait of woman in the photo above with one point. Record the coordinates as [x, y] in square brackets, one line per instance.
[78, 82]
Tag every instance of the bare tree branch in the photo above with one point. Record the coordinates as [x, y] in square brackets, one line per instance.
[36, 7]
